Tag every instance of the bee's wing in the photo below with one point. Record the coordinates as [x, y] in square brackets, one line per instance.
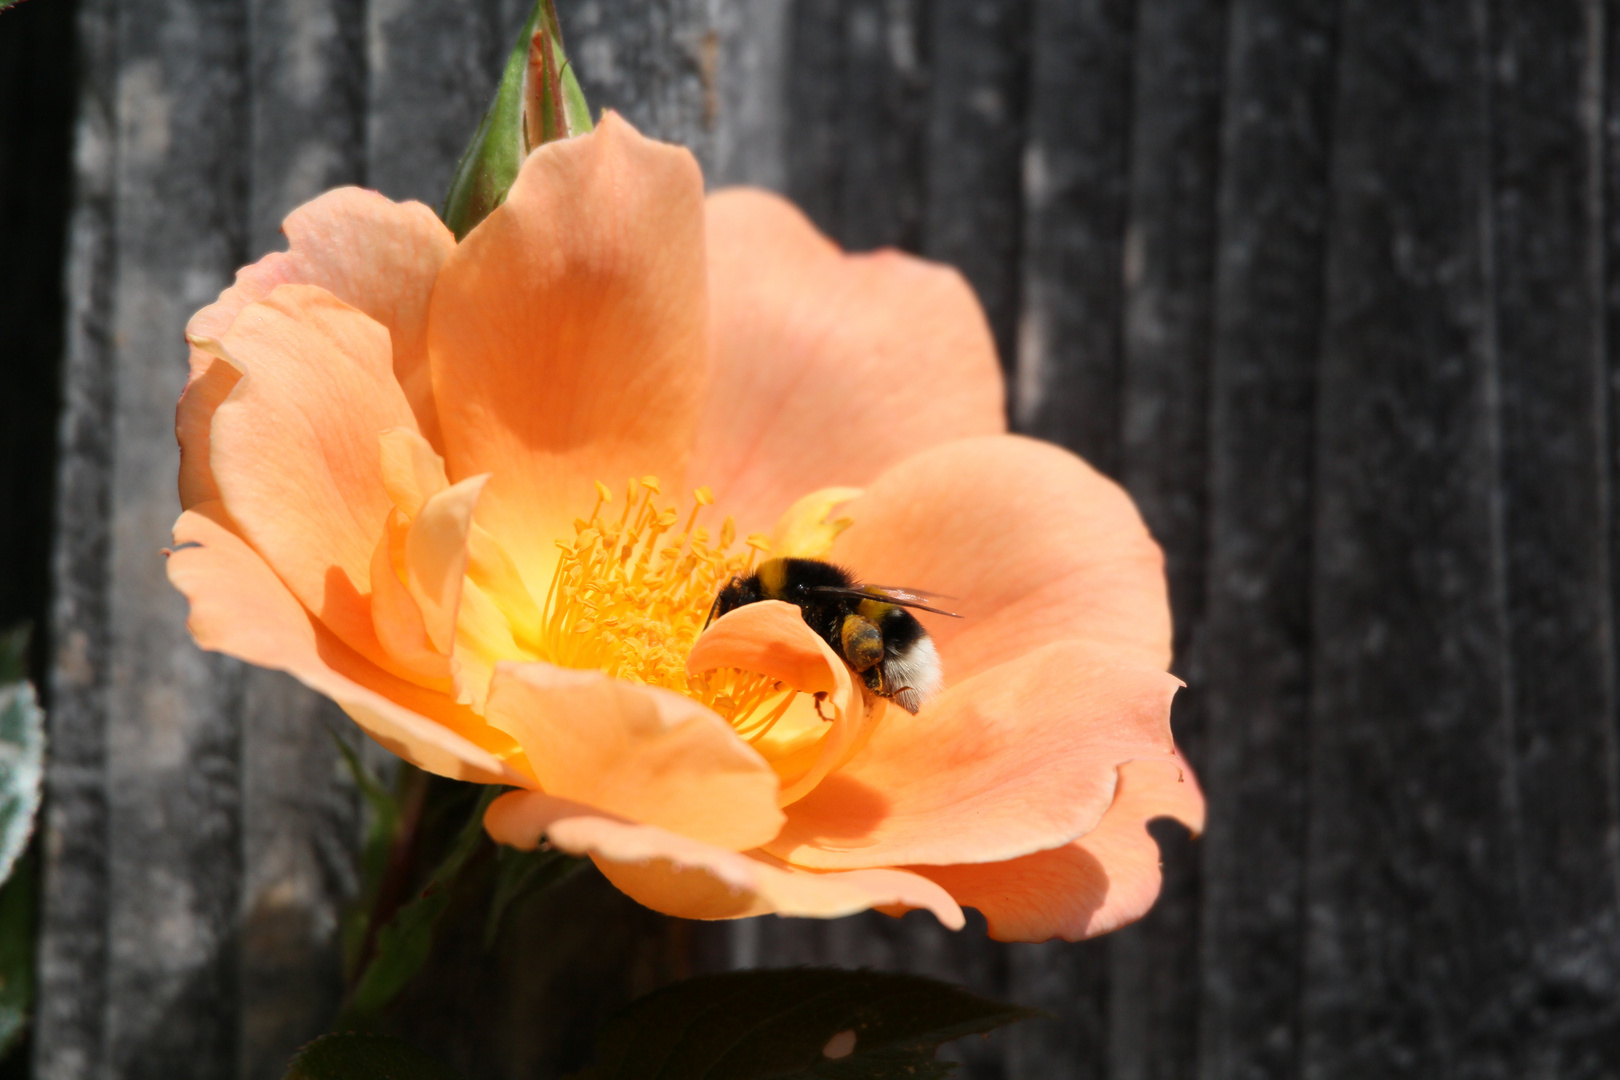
[926, 594]
[907, 598]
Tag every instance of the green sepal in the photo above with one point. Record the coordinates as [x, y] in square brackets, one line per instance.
[534, 103]
[359, 1056]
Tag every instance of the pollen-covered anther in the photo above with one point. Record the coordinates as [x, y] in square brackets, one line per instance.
[630, 598]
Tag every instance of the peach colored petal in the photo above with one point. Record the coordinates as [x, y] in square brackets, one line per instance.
[680, 876]
[638, 752]
[568, 335]
[295, 450]
[240, 607]
[1017, 759]
[382, 257]
[374, 254]
[1031, 544]
[829, 368]
[395, 616]
[436, 557]
[771, 638]
[412, 472]
[1098, 883]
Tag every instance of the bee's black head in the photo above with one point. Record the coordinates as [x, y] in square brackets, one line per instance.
[734, 594]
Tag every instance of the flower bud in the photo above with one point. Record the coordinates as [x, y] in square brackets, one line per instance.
[538, 101]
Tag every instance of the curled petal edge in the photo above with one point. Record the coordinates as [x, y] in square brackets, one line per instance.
[682, 877]
[1094, 885]
[771, 637]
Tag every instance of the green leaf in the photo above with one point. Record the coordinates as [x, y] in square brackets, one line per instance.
[22, 750]
[403, 944]
[352, 1056]
[793, 1025]
[17, 899]
[534, 103]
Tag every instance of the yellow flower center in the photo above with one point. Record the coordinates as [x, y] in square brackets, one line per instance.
[630, 597]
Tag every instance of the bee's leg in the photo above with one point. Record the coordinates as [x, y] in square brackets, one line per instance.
[861, 642]
[821, 696]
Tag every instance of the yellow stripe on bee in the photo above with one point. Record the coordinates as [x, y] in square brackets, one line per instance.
[874, 609]
[773, 578]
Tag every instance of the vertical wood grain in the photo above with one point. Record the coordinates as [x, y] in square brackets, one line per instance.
[432, 70]
[1069, 364]
[1276, 131]
[1547, 63]
[1414, 927]
[655, 61]
[1169, 257]
[751, 131]
[974, 151]
[72, 988]
[174, 838]
[859, 99]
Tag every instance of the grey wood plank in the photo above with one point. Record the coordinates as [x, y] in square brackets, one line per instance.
[70, 1015]
[860, 99]
[1169, 290]
[974, 150]
[655, 61]
[1267, 335]
[751, 131]
[1071, 983]
[300, 814]
[1066, 386]
[1414, 929]
[1548, 264]
[174, 840]
[814, 104]
[432, 68]
[1069, 366]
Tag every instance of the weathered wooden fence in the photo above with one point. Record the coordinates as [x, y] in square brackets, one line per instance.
[1331, 285]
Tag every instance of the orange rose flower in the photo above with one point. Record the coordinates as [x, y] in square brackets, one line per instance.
[394, 459]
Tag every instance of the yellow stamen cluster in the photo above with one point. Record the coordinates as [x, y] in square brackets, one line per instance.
[630, 597]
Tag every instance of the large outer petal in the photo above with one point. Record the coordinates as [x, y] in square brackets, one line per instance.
[829, 368]
[370, 252]
[1098, 883]
[637, 752]
[1031, 544]
[683, 877]
[1017, 759]
[240, 607]
[568, 335]
[296, 452]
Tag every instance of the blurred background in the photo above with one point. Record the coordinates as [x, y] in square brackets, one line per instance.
[1329, 285]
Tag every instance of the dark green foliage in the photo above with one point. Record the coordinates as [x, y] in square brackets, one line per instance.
[780, 1024]
[357, 1056]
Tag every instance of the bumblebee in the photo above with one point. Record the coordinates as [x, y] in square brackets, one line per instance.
[867, 625]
